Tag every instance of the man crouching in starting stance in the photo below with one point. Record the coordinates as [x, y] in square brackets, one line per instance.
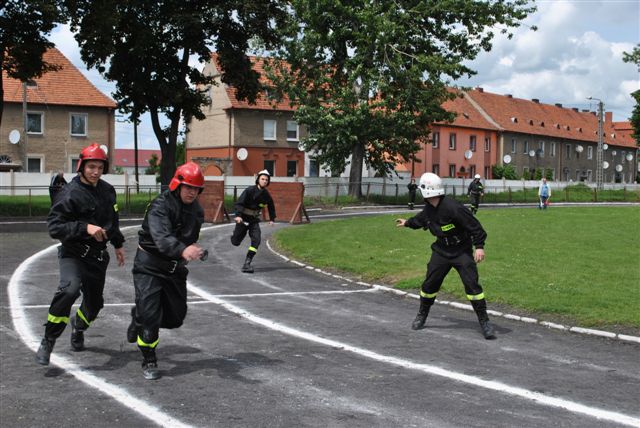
[457, 231]
[166, 243]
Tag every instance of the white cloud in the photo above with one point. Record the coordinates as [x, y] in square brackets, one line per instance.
[576, 52]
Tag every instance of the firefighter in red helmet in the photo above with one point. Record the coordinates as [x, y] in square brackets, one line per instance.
[166, 243]
[84, 217]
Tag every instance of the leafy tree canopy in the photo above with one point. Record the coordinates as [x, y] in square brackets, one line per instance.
[370, 77]
[152, 51]
[24, 27]
[634, 57]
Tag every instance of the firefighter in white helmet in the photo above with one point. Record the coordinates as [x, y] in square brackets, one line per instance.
[248, 208]
[457, 232]
[475, 192]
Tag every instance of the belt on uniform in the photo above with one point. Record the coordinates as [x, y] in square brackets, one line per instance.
[87, 251]
[165, 264]
[248, 211]
[450, 241]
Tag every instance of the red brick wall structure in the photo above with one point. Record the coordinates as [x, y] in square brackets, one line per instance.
[288, 199]
[212, 201]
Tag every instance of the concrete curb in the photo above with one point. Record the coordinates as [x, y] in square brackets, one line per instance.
[580, 330]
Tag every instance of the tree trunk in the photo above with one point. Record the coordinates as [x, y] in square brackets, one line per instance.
[355, 174]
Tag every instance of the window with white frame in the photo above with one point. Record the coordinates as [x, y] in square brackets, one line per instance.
[292, 130]
[436, 140]
[74, 164]
[514, 145]
[589, 152]
[525, 147]
[552, 149]
[436, 169]
[487, 172]
[35, 122]
[270, 166]
[78, 124]
[487, 144]
[314, 168]
[34, 163]
[269, 129]
[472, 143]
[541, 148]
[452, 170]
[452, 142]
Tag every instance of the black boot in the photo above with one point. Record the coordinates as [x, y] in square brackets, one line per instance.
[77, 334]
[421, 318]
[149, 364]
[132, 330]
[44, 351]
[480, 307]
[246, 267]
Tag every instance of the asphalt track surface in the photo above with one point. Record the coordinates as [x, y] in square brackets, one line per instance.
[289, 346]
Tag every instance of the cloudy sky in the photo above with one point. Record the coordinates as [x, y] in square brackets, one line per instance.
[576, 53]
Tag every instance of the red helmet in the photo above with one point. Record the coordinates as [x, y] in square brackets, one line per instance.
[93, 152]
[189, 174]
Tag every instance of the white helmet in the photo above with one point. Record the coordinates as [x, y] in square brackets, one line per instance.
[476, 176]
[430, 185]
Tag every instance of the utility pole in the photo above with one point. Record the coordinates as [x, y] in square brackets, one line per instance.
[135, 151]
[600, 150]
[25, 116]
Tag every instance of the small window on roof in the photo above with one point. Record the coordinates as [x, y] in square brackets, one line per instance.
[514, 119]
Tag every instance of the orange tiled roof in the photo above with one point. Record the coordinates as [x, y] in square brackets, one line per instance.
[535, 118]
[467, 115]
[262, 102]
[67, 86]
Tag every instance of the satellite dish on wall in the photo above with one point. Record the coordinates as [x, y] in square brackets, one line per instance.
[579, 148]
[105, 149]
[605, 165]
[507, 158]
[613, 153]
[532, 153]
[14, 136]
[629, 157]
[468, 154]
[619, 168]
[242, 154]
[301, 146]
[605, 146]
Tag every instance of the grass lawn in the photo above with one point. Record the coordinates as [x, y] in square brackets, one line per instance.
[577, 265]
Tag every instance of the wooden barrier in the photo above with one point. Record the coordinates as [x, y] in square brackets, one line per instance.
[288, 199]
[212, 201]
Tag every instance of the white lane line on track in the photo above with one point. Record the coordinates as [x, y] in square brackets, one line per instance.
[199, 301]
[425, 368]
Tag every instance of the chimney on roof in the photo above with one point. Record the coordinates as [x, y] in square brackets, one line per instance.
[575, 109]
[535, 100]
[480, 89]
[558, 105]
[608, 116]
[509, 96]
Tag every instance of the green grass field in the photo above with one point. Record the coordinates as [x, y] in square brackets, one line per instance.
[574, 264]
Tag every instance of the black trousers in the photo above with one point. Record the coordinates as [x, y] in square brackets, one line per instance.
[240, 231]
[161, 296]
[438, 268]
[77, 275]
[475, 200]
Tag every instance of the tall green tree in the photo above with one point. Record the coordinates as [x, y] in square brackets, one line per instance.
[24, 27]
[152, 51]
[370, 77]
[634, 57]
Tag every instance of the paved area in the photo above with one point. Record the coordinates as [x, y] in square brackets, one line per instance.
[291, 347]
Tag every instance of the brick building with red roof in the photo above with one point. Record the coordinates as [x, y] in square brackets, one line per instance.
[65, 112]
[254, 136]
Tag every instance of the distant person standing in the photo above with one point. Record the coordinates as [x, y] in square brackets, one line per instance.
[475, 193]
[412, 186]
[544, 193]
[56, 185]
[457, 232]
[248, 208]
[84, 217]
